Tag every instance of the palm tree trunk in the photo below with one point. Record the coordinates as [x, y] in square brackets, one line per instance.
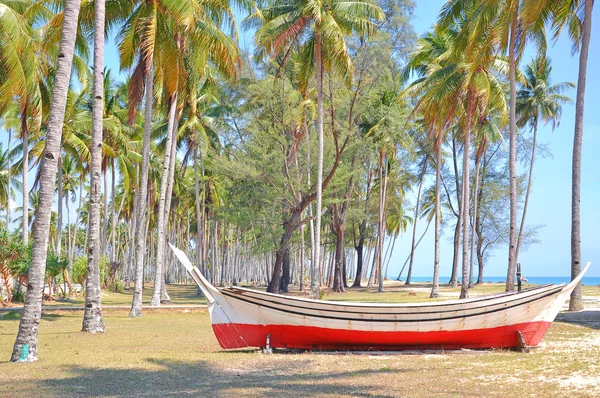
[164, 294]
[164, 183]
[435, 290]
[113, 208]
[93, 321]
[140, 235]
[576, 302]
[512, 160]
[9, 132]
[464, 291]
[455, 258]
[382, 229]
[475, 199]
[26, 344]
[59, 223]
[104, 216]
[414, 235]
[25, 183]
[529, 181]
[315, 275]
[416, 245]
[198, 213]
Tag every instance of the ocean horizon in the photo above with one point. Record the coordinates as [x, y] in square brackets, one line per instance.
[532, 280]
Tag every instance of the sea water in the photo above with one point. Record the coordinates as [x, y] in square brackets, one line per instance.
[533, 280]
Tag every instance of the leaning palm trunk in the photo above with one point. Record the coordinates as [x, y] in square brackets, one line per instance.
[315, 274]
[414, 234]
[529, 181]
[512, 160]
[26, 344]
[164, 183]
[93, 321]
[576, 302]
[140, 233]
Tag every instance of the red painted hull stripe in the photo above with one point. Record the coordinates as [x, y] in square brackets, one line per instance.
[307, 337]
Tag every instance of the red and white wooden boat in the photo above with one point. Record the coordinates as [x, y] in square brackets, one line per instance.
[247, 318]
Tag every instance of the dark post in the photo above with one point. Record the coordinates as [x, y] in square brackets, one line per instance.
[518, 277]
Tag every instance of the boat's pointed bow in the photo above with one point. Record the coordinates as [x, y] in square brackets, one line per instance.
[207, 289]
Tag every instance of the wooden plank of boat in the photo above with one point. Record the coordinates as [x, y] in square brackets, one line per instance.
[251, 318]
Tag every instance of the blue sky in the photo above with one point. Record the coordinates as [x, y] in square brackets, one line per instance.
[550, 202]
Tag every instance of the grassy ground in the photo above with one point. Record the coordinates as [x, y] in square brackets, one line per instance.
[180, 295]
[174, 353]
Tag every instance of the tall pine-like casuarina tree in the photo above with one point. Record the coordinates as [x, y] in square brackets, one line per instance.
[93, 321]
[26, 344]
[320, 27]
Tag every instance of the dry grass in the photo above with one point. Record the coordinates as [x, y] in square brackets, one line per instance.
[174, 353]
[180, 294]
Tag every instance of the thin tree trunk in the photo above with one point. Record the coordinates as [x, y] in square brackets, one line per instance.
[9, 189]
[164, 294]
[435, 290]
[512, 160]
[198, 211]
[59, 223]
[26, 344]
[529, 183]
[359, 256]
[391, 251]
[475, 198]
[113, 218]
[464, 291]
[416, 245]
[25, 182]
[414, 235]
[140, 238]
[164, 183]
[576, 302]
[104, 216]
[93, 321]
[315, 276]
[455, 258]
[382, 229]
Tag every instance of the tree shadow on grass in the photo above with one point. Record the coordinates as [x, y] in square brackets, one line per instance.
[175, 378]
[586, 318]
[16, 316]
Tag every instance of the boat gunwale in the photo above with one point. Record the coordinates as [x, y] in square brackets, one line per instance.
[532, 299]
[361, 310]
[455, 302]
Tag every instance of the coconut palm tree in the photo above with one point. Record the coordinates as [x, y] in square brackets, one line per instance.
[136, 49]
[437, 111]
[8, 183]
[26, 344]
[187, 60]
[320, 28]
[471, 76]
[539, 100]
[93, 322]
[568, 14]
[22, 68]
[517, 22]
